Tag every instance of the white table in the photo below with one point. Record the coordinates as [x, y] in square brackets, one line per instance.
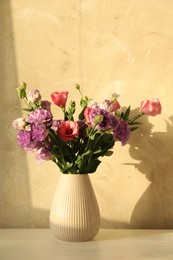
[39, 244]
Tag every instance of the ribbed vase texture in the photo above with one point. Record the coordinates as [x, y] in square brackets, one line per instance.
[74, 213]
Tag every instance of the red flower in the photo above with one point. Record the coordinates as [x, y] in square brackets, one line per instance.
[59, 98]
[68, 130]
[151, 108]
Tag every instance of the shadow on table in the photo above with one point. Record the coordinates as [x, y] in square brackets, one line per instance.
[110, 234]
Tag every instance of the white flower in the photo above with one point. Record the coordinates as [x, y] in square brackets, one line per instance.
[33, 95]
[19, 123]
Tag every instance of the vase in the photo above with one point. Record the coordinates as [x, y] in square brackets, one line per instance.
[74, 214]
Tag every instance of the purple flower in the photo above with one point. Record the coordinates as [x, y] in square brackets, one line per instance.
[114, 120]
[104, 115]
[38, 132]
[24, 138]
[43, 155]
[40, 115]
[46, 105]
[122, 132]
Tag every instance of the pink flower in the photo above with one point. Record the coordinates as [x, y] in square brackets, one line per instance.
[114, 106]
[59, 98]
[68, 130]
[87, 115]
[151, 108]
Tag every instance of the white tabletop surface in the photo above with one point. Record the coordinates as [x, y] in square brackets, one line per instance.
[39, 244]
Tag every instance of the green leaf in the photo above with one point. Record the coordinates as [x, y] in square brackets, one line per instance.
[92, 166]
[83, 102]
[27, 109]
[122, 114]
[108, 153]
[34, 106]
[135, 123]
[21, 93]
[70, 168]
[134, 118]
[21, 90]
[71, 111]
[81, 115]
[38, 103]
[134, 128]
[126, 115]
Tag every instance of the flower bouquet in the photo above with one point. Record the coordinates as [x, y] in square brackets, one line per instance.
[76, 144]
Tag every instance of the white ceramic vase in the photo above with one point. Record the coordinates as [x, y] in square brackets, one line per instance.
[74, 213]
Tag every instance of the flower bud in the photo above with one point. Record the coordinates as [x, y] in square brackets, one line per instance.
[77, 86]
[21, 90]
[98, 119]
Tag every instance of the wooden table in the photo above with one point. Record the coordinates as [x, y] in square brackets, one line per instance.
[109, 244]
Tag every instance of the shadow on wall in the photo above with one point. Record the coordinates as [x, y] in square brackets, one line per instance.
[155, 155]
[15, 203]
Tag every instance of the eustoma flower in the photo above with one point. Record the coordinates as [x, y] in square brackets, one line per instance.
[151, 108]
[43, 155]
[24, 139]
[33, 95]
[59, 98]
[68, 130]
[122, 132]
[40, 115]
[39, 132]
[19, 123]
[105, 122]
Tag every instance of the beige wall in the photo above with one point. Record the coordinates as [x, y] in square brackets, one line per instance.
[106, 46]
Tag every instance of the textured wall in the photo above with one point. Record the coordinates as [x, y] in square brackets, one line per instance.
[106, 46]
